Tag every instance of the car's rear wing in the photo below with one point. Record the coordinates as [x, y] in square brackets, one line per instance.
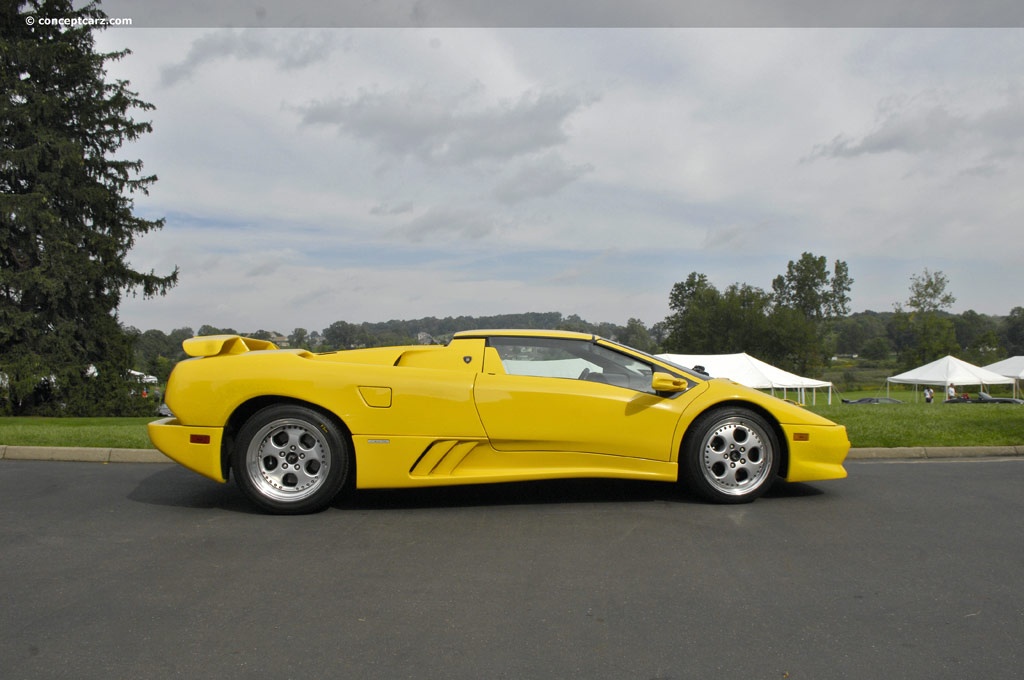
[217, 345]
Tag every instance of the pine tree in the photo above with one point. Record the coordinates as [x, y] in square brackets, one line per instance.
[66, 215]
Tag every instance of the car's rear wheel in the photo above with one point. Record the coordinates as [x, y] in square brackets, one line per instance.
[289, 459]
[730, 455]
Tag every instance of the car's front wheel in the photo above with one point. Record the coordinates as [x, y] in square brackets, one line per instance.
[290, 459]
[730, 455]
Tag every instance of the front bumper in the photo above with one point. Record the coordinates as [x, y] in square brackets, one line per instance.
[816, 452]
[197, 448]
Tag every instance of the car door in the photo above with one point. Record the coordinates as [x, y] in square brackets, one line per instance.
[555, 394]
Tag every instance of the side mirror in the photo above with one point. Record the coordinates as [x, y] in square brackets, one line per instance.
[664, 382]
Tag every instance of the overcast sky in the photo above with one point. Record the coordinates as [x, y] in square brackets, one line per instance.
[362, 174]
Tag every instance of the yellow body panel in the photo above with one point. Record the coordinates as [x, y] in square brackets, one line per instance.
[175, 441]
[422, 400]
[433, 415]
[397, 462]
[523, 413]
[816, 455]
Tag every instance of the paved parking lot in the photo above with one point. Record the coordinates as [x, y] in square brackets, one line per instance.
[906, 569]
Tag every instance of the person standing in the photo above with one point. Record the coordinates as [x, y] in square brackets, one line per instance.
[929, 394]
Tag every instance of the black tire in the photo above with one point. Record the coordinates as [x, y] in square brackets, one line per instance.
[291, 459]
[730, 455]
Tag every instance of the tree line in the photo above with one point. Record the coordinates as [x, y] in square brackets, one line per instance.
[804, 321]
[799, 326]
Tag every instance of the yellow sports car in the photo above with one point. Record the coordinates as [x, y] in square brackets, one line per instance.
[297, 428]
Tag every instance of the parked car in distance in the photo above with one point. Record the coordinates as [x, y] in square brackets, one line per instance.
[872, 400]
[983, 398]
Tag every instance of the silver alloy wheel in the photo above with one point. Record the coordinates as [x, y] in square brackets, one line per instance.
[288, 459]
[736, 456]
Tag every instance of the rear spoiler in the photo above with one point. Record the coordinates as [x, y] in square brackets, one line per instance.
[218, 345]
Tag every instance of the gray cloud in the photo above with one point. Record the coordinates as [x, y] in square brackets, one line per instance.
[923, 125]
[452, 223]
[910, 132]
[289, 50]
[541, 177]
[449, 130]
[388, 208]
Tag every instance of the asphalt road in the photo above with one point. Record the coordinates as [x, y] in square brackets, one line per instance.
[903, 570]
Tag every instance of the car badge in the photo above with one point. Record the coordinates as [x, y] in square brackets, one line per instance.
[467, 360]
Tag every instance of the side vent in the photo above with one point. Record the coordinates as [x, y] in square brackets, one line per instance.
[442, 457]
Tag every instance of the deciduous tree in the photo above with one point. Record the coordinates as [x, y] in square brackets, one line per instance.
[820, 298]
[691, 327]
[636, 335]
[924, 332]
[1013, 332]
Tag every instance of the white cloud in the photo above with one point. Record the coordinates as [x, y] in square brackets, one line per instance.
[312, 176]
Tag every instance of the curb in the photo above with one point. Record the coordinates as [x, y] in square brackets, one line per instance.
[935, 452]
[101, 455]
[82, 454]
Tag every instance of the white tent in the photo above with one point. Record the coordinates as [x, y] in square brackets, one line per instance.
[949, 371]
[142, 377]
[746, 370]
[1009, 368]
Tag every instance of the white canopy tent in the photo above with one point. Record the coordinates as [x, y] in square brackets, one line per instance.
[1009, 368]
[746, 370]
[142, 377]
[949, 371]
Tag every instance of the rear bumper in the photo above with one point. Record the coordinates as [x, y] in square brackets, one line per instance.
[197, 448]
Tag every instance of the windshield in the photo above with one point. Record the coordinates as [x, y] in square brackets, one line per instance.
[660, 360]
[579, 358]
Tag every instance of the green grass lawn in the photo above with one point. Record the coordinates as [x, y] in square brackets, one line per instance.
[115, 433]
[920, 424]
[869, 425]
